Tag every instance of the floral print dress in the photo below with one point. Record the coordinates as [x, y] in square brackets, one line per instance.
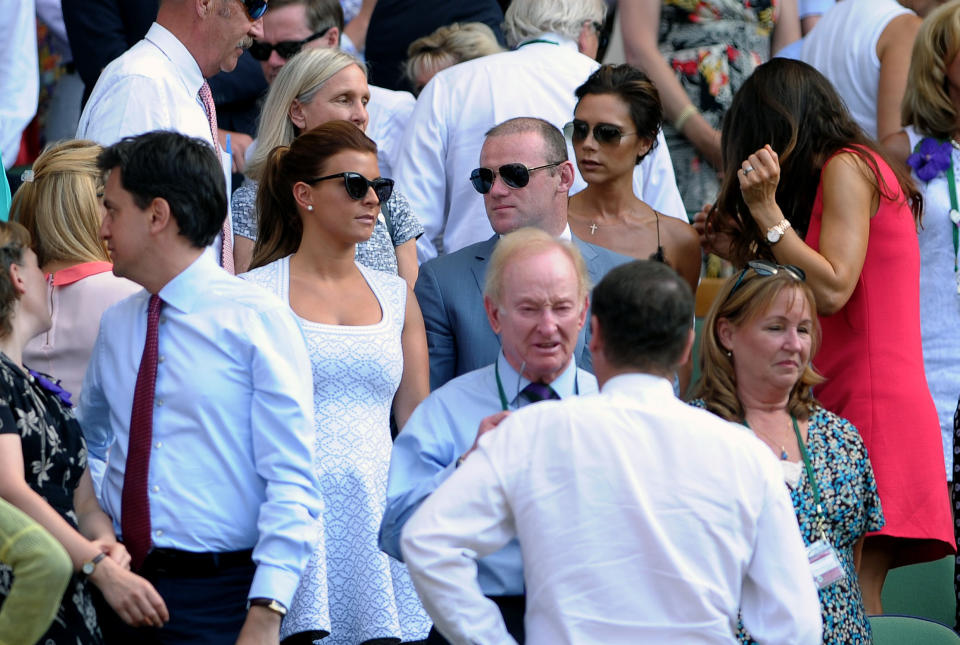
[54, 459]
[712, 46]
[849, 497]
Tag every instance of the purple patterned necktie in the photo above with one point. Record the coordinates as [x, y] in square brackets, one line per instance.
[536, 392]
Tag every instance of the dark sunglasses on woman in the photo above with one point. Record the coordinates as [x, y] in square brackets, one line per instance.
[357, 185]
[286, 49]
[765, 268]
[603, 133]
[514, 175]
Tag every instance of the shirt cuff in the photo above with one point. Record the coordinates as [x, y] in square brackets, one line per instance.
[273, 582]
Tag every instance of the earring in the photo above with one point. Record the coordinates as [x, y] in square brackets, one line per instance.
[310, 207]
[729, 354]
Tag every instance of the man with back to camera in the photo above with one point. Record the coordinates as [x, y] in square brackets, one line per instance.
[200, 389]
[640, 519]
[524, 178]
[535, 297]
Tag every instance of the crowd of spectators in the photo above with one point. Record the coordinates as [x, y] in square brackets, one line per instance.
[372, 321]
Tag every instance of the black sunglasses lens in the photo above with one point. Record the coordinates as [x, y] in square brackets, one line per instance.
[515, 175]
[383, 188]
[604, 133]
[255, 8]
[260, 51]
[482, 180]
[288, 49]
[578, 130]
[355, 184]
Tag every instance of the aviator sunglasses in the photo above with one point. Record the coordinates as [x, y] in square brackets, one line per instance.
[765, 269]
[255, 8]
[286, 49]
[357, 185]
[514, 175]
[603, 133]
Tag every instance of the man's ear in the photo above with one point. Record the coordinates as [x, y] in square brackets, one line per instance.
[160, 216]
[596, 338]
[687, 350]
[493, 314]
[296, 114]
[331, 38]
[583, 312]
[567, 176]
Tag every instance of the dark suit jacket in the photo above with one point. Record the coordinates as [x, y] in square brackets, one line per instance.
[450, 292]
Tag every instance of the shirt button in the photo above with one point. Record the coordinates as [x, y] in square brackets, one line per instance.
[159, 444]
[161, 358]
[158, 533]
[159, 401]
[163, 319]
[155, 489]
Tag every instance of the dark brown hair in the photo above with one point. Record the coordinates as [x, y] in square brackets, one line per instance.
[14, 240]
[791, 106]
[280, 228]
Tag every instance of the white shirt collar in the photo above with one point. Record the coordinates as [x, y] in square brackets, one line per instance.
[552, 39]
[513, 383]
[186, 65]
[639, 385]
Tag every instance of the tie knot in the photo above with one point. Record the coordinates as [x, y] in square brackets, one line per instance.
[535, 392]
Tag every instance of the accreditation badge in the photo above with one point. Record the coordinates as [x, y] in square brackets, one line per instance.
[824, 563]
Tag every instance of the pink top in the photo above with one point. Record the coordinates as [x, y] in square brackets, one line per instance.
[79, 296]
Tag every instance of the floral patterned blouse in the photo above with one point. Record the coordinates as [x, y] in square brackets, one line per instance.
[54, 459]
[849, 496]
[712, 46]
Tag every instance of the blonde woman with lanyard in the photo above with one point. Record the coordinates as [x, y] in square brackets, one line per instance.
[758, 340]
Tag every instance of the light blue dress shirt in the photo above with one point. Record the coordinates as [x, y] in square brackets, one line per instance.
[442, 428]
[230, 464]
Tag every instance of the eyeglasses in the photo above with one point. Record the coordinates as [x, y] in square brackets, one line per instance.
[765, 268]
[514, 175]
[255, 8]
[603, 133]
[286, 49]
[357, 185]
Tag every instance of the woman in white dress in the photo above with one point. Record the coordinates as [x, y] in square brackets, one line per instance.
[318, 198]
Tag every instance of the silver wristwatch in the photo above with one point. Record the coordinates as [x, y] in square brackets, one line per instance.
[774, 233]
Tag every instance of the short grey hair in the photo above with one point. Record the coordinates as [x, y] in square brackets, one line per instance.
[527, 19]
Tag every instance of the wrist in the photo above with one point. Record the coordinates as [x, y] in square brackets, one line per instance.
[103, 571]
[264, 618]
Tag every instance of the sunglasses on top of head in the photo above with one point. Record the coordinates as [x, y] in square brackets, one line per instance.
[514, 175]
[255, 8]
[357, 185]
[286, 49]
[603, 133]
[765, 269]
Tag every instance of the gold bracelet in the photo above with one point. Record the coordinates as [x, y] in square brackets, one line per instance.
[683, 117]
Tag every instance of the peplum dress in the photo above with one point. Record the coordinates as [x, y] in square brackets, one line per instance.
[872, 358]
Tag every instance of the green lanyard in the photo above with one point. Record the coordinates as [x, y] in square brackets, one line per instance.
[503, 395]
[538, 40]
[952, 182]
[810, 476]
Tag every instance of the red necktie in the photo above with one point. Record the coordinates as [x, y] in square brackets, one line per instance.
[135, 504]
[226, 250]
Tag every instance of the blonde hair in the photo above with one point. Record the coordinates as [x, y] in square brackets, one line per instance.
[525, 242]
[300, 79]
[527, 19]
[926, 102]
[60, 206]
[449, 45]
[753, 296]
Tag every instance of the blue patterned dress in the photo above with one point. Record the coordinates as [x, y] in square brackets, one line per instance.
[849, 496]
[356, 372]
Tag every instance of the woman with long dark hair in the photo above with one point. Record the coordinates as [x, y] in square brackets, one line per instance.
[804, 186]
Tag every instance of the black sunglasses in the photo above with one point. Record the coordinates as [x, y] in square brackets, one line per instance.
[357, 185]
[255, 8]
[514, 175]
[286, 49]
[765, 268]
[604, 133]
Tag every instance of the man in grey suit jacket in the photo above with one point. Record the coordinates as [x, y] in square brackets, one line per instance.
[524, 176]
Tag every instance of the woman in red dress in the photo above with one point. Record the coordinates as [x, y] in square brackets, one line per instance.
[803, 185]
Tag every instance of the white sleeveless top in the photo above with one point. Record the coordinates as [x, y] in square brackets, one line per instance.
[843, 47]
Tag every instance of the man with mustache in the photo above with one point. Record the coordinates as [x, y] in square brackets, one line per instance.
[159, 83]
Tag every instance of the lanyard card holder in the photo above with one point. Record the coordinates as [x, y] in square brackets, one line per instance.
[824, 563]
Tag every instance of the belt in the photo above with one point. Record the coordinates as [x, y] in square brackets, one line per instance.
[189, 564]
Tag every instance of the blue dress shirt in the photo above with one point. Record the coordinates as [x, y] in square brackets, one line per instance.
[230, 464]
[442, 428]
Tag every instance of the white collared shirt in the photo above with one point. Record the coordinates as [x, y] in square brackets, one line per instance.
[640, 520]
[456, 108]
[20, 78]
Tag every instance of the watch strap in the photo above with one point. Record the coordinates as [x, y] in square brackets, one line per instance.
[273, 605]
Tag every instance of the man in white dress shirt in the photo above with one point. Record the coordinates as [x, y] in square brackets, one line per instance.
[640, 519]
[555, 42]
[157, 83]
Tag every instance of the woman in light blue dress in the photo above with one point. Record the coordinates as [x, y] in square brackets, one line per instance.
[319, 197]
